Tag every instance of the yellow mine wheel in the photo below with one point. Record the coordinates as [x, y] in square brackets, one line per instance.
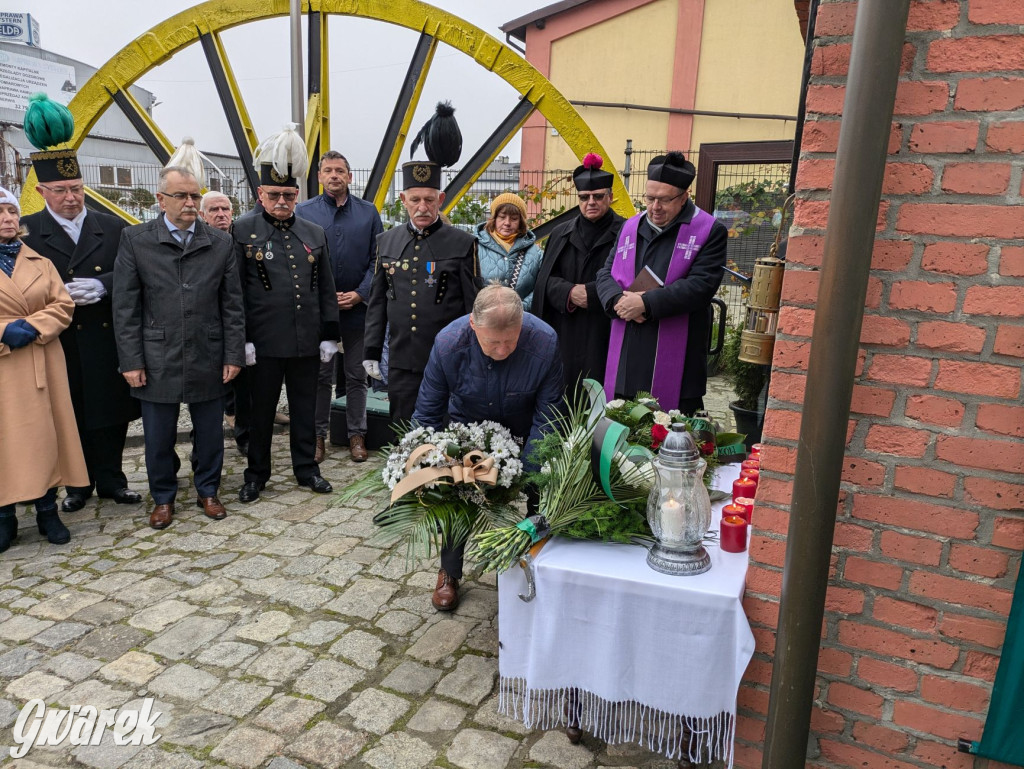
[204, 24]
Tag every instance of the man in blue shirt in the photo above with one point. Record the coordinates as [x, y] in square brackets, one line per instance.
[352, 226]
[494, 364]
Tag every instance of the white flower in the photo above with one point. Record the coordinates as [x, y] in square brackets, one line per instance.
[618, 403]
[638, 475]
[663, 419]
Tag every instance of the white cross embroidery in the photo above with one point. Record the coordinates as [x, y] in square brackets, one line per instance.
[624, 248]
[689, 249]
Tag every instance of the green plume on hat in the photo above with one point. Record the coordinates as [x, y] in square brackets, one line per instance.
[48, 123]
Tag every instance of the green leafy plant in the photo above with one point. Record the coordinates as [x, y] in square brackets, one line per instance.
[745, 206]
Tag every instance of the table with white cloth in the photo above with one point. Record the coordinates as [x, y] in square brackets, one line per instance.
[640, 656]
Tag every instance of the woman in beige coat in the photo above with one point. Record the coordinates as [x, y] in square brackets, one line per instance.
[39, 444]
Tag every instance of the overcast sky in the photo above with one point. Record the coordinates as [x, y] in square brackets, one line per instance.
[368, 64]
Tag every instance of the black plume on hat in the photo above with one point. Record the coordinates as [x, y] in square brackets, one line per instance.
[440, 136]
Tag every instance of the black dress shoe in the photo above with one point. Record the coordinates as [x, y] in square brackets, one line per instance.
[317, 484]
[250, 492]
[73, 503]
[124, 497]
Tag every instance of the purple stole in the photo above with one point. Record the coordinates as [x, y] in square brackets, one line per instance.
[670, 356]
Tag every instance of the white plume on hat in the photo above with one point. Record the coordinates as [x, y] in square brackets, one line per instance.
[282, 150]
[191, 159]
[6, 196]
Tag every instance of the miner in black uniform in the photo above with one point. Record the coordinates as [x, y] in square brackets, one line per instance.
[426, 274]
[291, 312]
[565, 296]
[82, 245]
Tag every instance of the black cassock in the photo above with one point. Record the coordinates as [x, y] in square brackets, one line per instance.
[691, 295]
[575, 252]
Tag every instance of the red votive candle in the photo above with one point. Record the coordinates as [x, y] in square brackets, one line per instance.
[734, 509]
[751, 464]
[755, 449]
[747, 505]
[743, 487]
[733, 534]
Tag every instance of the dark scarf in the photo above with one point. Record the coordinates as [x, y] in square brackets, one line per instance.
[8, 252]
[591, 231]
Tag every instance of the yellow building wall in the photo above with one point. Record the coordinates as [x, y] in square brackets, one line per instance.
[612, 62]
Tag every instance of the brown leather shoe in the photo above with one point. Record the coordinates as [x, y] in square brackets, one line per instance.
[161, 516]
[446, 594]
[212, 508]
[321, 449]
[357, 448]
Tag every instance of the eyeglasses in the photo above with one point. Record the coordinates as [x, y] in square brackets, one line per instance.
[288, 196]
[597, 196]
[77, 189]
[194, 196]
[661, 201]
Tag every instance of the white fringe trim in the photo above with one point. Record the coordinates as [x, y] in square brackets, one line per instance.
[671, 735]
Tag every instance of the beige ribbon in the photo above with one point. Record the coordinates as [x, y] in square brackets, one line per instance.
[476, 468]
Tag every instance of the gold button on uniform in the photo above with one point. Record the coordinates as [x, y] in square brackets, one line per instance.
[413, 328]
[413, 317]
[413, 305]
[414, 293]
[98, 268]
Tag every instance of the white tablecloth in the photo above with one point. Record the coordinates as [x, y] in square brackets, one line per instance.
[651, 658]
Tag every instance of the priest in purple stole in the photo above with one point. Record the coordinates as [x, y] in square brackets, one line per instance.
[657, 285]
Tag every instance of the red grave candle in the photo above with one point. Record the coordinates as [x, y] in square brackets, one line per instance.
[747, 505]
[734, 509]
[734, 534]
[756, 448]
[751, 464]
[743, 487]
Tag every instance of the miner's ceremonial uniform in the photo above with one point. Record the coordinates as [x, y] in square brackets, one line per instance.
[290, 308]
[423, 280]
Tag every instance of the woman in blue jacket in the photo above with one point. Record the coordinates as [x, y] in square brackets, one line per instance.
[508, 250]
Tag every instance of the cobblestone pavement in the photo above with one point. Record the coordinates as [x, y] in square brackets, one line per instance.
[279, 637]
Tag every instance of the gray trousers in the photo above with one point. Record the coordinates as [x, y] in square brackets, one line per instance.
[355, 385]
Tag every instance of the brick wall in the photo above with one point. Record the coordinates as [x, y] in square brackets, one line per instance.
[930, 524]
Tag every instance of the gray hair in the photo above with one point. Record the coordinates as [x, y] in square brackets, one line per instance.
[167, 171]
[497, 307]
[209, 196]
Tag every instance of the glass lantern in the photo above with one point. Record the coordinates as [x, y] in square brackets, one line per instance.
[679, 509]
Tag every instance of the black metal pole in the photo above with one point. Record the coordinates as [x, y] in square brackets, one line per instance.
[860, 164]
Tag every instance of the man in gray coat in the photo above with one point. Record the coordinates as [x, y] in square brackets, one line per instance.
[180, 336]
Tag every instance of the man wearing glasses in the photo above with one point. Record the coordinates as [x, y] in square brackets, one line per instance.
[657, 285]
[180, 337]
[291, 315]
[82, 245]
[566, 293]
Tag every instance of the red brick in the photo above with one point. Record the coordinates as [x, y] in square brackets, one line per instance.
[933, 15]
[864, 572]
[848, 697]
[815, 174]
[991, 53]
[787, 387]
[771, 552]
[995, 495]
[796, 321]
[1009, 341]
[943, 137]
[886, 675]
[1011, 261]
[981, 665]
[959, 591]
[774, 490]
[956, 258]
[847, 754]
[753, 699]
[900, 369]
[861, 472]
[813, 214]
[926, 297]
[783, 424]
[820, 136]
[1002, 420]
[1003, 301]
[761, 612]
[917, 516]
[827, 722]
[954, 337]
[954, 694]
[844, 600]
[825, 99]
[883, 330]
[835, 662]
[879, 737]
[984, 632]
[834, 60]
[874, 401]
[988, 94]
[922, 718]
[907, 179]
[978, 378]
[995, 12]
[1007, 136]
[959, 220]
[758, 672]
[891, 643]
[982, 561]
[800, 286]
[873, 299]
[779, 459]
[899, 441]
[891, 255]
[904, 614]
[1000, 456]
[923, 480]
[789, 354]
[764, 581]
[835, 19]
[916, 97]
[976, 178]
[903, 547]
[934, 410]
[850, 536]
[805, 249]
[946, 756]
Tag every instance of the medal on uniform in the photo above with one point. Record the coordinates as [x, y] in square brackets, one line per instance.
[431, 280]
[269, 254]
[259, 255]
[248, 252]
[309, 254]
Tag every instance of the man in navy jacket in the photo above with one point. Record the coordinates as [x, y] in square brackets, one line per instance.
[494, 364]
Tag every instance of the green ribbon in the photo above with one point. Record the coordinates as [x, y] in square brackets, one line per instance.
[527, 525]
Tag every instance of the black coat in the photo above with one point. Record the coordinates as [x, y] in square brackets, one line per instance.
[290, 302]
[100, 395]
[583, 333]
[178, 314]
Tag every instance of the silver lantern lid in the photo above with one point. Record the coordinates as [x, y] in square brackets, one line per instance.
[679, 448]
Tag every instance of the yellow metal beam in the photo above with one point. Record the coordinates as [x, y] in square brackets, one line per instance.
[313, 126]
[325, 90]
[146, 119]
[109, 207]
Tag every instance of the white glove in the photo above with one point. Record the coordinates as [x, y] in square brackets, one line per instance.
[250, 354]
[86, 290]
[328, 350]
[372, 368]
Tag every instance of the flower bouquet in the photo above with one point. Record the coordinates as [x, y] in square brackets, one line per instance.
[443, 484]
